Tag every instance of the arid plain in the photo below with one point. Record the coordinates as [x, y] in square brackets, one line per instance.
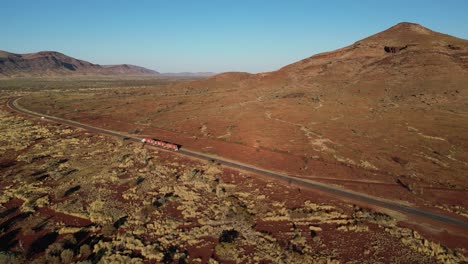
[386, 116]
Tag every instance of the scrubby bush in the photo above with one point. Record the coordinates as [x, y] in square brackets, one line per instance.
[66, 256]
[228, 236]
[85, 250]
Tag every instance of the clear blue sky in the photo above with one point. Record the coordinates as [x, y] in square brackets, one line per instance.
[218, 36]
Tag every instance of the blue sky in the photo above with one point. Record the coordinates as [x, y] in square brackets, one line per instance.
[217, 36]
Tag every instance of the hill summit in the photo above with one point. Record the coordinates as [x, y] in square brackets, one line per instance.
[407, 46]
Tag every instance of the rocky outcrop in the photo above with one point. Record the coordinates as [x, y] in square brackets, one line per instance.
[394, 49]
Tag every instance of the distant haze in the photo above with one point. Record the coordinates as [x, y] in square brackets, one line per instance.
[210, 36]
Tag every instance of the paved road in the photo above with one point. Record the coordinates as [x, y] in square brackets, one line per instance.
[13, 104]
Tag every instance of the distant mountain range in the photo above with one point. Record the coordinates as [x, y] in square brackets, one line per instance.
[188, 74]
[53, 64]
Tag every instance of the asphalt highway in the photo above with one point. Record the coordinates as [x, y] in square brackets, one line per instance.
[345, 194]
